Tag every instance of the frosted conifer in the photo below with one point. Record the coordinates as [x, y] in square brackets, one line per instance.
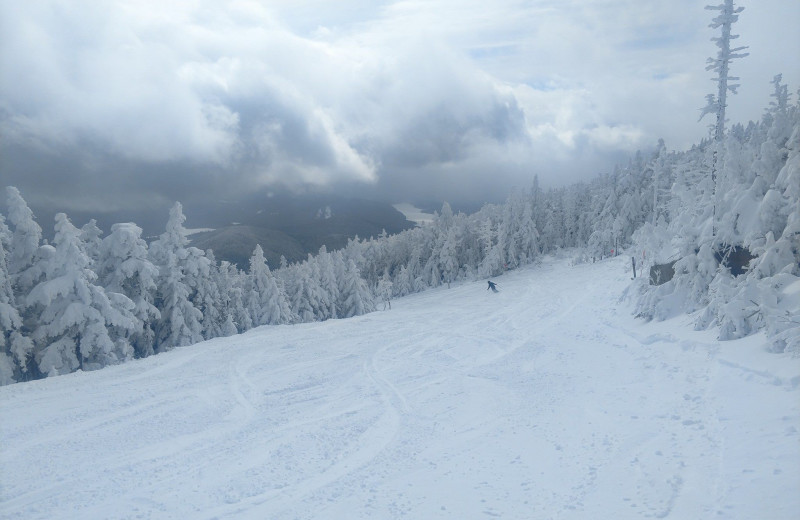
[75, 315]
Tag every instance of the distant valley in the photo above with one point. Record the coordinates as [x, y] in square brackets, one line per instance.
[295, 227]
[284, 223]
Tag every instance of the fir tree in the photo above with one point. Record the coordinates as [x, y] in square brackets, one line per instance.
[24, 244]
[125, 268]
[75, 314]
[180, 322]
[266, 302]
[15, 348]
[356, 296]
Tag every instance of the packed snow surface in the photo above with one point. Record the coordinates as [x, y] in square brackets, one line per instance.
[546, 400]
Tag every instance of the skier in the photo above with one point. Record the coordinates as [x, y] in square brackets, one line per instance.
[492, 286]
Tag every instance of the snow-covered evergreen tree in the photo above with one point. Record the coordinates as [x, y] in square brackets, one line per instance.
[385, 290]
[91, 239]
[448, 257]
[528, 236]
[180, 322]
[231, 283]
[328, 283]
[205, 294]
[124, 267]
[75, 315]
[356, 298]
[25, 240]
[266, 302]
[15, 348]
[756, 215]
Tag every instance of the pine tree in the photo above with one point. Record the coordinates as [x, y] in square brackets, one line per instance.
[205, 294]
[15, 348]
[529, 236]
[356, 296]
[24, 245]
[124, 267]
[300, 292]
[385, 290]
[76, 314]
[328, 283]
[266, 302]
[180, 322]
[404, 284]
[236, 317]
[317, 296]
[448, 257]
[492, 260]
[90, 237]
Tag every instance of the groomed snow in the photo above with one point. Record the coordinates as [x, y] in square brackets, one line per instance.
[547, 400]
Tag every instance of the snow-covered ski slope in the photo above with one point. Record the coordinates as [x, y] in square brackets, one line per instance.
[547, 400]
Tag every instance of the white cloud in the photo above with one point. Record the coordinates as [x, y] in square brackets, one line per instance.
[423, 95]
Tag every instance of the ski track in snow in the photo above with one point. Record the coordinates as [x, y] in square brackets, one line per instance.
[546, 400]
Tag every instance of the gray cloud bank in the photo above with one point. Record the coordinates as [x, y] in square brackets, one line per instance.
[108, 104]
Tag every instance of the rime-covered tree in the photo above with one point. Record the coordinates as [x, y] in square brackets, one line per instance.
[180, 322]
[725, 83]
[728, 15]
[328, 283]
[356, 298]
[75, 315]
[448, 256]
[199, 276]
[236, 317]
[15, 348]
[266, 302]
[385, 290]
[299, 293]
[404, 282]
[25, 239]
[528, 234]
[124, 267]
[492, 261]
[91, 239]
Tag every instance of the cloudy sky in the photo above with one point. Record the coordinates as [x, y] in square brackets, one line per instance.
[116, 103]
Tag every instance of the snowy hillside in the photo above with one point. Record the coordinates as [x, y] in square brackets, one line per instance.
[546, 400]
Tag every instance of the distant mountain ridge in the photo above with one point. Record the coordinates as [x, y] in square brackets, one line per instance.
[294, 226]
[282, 222]
[236, 244]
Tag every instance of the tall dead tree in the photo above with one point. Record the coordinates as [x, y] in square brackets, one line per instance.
[721, 64]
[725, 82]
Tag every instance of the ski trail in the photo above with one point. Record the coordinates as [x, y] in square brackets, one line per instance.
[392, 396]
[368, 445]
[546, 400]
[239, 383]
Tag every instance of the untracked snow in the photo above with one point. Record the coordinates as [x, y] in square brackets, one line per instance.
[546, 400]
